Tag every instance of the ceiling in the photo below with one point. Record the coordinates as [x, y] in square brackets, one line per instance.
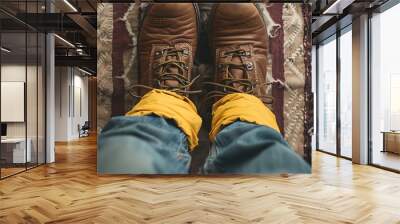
[332, 15]
[74, 22]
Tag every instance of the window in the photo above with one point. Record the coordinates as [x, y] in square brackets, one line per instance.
[335, 74]
[385, 89]
[346, 95]
[327, 95]
[22, 74]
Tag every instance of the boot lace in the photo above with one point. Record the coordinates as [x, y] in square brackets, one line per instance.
[164, 73]
[232, 84]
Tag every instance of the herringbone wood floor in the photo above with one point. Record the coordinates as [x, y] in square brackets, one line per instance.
[69, 191]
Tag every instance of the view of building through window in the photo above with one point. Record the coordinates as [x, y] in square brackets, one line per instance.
[385, 88]
[327, 96]
[346, 93]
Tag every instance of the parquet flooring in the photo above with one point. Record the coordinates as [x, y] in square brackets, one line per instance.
[10, 171]
[69, 191]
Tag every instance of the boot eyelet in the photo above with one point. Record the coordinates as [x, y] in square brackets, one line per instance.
[158, 53]
[185, 51]
[249, 66]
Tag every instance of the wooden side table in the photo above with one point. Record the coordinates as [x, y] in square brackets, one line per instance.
[391, 141]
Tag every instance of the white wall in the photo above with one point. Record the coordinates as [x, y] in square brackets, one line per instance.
[61, 115]
[71, 102]
[17, 73]
[33, 127]
[12, 73]
[81, 104]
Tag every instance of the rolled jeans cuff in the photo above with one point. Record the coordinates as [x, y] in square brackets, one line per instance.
[173, 106]
[243, 107]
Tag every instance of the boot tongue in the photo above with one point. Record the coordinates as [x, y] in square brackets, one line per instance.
[237, 73]
[171, 69]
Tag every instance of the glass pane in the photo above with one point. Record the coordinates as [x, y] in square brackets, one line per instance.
[13, 86]
[314, 90]
[41, 99]
[23, 93]
[327, 96]
[385, 84]
[346, 94]
[32, 87]
[31, 98]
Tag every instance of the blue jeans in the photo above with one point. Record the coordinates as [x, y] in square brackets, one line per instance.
[154, 145]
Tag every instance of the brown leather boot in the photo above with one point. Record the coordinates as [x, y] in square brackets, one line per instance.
[238, 41]
[167, 45]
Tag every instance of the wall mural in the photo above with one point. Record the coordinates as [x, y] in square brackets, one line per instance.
[288, 68]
